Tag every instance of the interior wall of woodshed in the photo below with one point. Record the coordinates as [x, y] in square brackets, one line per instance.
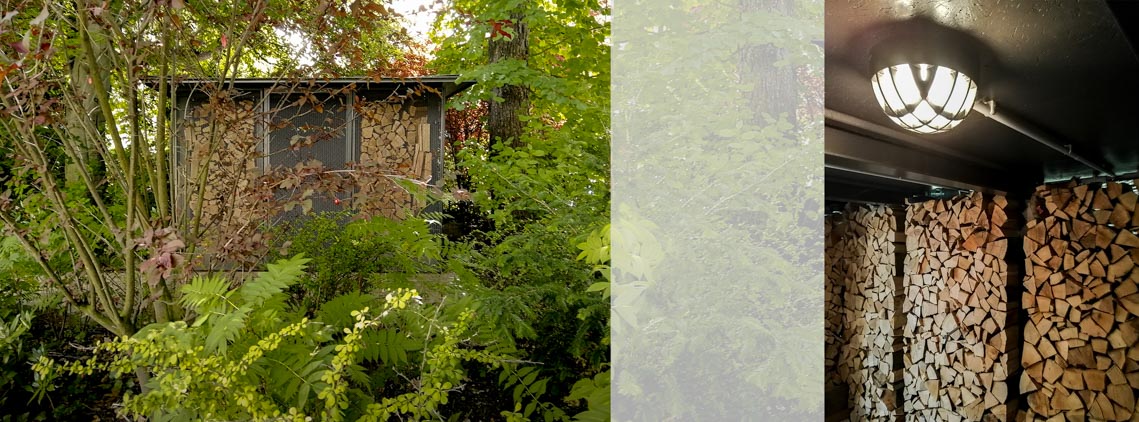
[920, 325]
[1002, 318]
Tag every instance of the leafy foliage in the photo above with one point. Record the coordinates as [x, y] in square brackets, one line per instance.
[527, 387]
[32, 324]
[297, 367]
[349, 256]
[596, 392]
[716, 228]
[542, 194]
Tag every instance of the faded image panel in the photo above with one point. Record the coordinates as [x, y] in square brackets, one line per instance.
[717, 211]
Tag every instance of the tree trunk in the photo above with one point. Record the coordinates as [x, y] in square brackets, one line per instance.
[503, 124]
[774, 92]
[89, 113]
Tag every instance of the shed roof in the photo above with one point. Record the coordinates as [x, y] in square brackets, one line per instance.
[448, 85]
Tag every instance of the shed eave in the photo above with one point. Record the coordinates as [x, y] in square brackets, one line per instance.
[447, 83]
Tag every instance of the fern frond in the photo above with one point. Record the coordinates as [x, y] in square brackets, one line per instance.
[388, 346]
[224, 329]
[268, 317]
[338, 311]
[294, 370]
[280, 275]
[528, 388]
[205, 295]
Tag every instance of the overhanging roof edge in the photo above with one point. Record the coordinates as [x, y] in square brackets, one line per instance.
[448, 82]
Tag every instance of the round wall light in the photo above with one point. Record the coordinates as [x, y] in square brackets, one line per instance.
[924, 98]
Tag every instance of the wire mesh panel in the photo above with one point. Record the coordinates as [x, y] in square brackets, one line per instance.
[306, 127]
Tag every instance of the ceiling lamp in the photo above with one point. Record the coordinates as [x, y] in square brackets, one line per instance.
[924, 98]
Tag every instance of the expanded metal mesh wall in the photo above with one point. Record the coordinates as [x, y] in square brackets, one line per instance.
[300, 131]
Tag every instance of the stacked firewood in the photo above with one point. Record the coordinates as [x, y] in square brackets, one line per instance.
[395, 146]
[227, 160]
[862, 269]
[834, 261]
[960, 336]
[1081, 293]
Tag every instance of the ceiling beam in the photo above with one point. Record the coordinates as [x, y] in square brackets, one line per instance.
[875, 181]
[857, 153]
[841, 192]
[863, 200]
[869, 129]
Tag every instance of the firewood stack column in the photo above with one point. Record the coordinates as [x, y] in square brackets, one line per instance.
[834, 227]
[961, 335]
[862, 266]
[1081, 356]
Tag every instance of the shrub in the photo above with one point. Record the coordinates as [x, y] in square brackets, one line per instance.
[248, 356]
[351, 256]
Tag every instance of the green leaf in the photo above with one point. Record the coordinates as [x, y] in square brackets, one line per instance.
[338, 311]
[539, 387]
[529, 378]
[224, 329]
[205, 294]
[302, 395]
[280, 275]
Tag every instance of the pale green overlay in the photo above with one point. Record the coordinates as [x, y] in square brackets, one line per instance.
[717, 210]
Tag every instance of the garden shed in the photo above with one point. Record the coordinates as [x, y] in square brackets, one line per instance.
[365, 138]
[981, 248]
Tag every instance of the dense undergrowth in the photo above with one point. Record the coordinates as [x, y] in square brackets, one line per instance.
[369, 319]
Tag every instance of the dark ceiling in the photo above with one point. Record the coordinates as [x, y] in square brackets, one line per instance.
[1064, 67]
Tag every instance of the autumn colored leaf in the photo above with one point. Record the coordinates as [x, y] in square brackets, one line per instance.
[20, 47]
[497, 28]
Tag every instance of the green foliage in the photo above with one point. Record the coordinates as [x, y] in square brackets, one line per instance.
[17, 313]
[441, 375]
[17, 276]
[348, 256]
[224, 312]
[32, 325]
[286, 342]
[527, 387]
[12, 329]
[278, 277]
[596, 392]
[195, 372]
[295, 366]
[715, 231]
[544, 195]
[595, 250]
[388, 347]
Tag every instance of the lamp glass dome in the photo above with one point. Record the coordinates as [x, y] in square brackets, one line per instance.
[924, 98]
